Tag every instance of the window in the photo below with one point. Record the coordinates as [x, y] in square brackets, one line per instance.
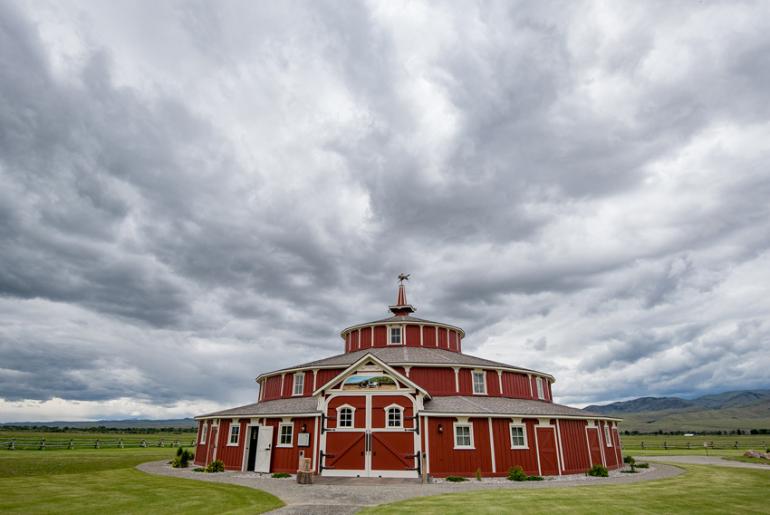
[204, 429]
[299, 383]
[607, 437]
[539, 382]
[285, 435]
[463, 436]
[518, 437]
[235, 430]
[395, 335]
[345, 417]
[394, 416]
[479, 382]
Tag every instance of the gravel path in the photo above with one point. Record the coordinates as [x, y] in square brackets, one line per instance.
[350, 495]
[704, 460]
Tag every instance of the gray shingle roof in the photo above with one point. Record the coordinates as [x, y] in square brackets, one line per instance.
[276, 407]
[409, 356]
[502, 405]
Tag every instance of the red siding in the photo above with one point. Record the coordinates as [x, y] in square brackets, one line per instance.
[325, 375]
[272, 388]
[380, 336]
[452, 340]
[574, 446]
[466, 381]
[366, 337]
[438, 381]
[413, 335]
[231, 455]
[505, 457]
[609, 452]
[429, 336]
[493, 384]
[548, 450]
[286, 459]
[201, 449]
[442, 341]
[515, 385]
[445, 460]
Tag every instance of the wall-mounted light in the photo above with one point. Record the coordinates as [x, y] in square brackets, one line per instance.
[303, 428]
[441, 428]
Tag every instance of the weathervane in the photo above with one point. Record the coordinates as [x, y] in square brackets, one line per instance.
[402, 278]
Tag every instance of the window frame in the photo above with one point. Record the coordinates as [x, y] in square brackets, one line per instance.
[607, 435]
[234, 425]
[469, 425]
[294, 392]
[400, 410]
[523, 428]
[352, 417]
[400, 334]
[540, 388]
[483, 381]
[280, 443]
[204, 433]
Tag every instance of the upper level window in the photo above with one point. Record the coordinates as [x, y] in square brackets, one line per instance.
[235, 430]
[394, 417]
[479, 382]
[299, 383]
[607, 437]
[518, 437]
[285, 435]
[463, 436]
[204, 429]
[345, 417]
[540, 392]
[395, 335]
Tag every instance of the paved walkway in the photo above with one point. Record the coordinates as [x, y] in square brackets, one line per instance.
[717, 461]
[351, 495]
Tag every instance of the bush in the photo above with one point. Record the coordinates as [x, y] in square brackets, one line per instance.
[642, 465]
[535, 478]
[182, 458]
[478, 474]
[516, 474]
[630, 461]
[216, 466]
[598, 471]
[456, 479]
[281, 475]
[199, 469]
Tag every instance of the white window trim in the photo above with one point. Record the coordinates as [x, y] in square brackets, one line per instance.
[230, 434]
[463, 424]
[294, 385]
[352, 418]
[607, 435]
[524, 431]
[204, 433]
[280, 431]
[390, 334]
[540, 388]
[401, 416]
[484, 381]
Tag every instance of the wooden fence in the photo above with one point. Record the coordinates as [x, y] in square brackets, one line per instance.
[98, 443]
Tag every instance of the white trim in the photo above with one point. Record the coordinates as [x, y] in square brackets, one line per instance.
[561, 448]
[540, 389]
[607, 434]
[234, 423]
[371, 473]
[352, 417]
[500, 381]
[371, 338]
[588, 446]
[457, 379]
[529, 381]
[359, 338]
[294, 384]
[204, 433]
[422, 336]
[370, 357]
[483, 381]
[283, 376]
[280, 431]
[427, 444]
[315, 376]
[503, 415]
[315, 445]
[390, 334]
[523, 427]
[400, 416]
[492, 445]
[537, 450]
[469, 425]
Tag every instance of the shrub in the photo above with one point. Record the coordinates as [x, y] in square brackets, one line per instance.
[216, 466]
[281, 475]
[642, 465]
[478, 474]
[630, 461]
[535, 478]
[598, 471]
[456, 479]
[516, 474]
[199, 469]
[182, 458]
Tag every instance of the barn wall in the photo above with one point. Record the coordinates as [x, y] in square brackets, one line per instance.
[493, 384]
[201, 448]
[231, 455]
[505, 457]
[286, 459]
[515, 385]
[272, 388]
[452, 340]
[429, 336]
[366, 338]
[412, 334]
[445, 460]
[574, 446]
[437, 381]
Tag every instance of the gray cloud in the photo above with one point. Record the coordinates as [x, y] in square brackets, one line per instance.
[194, 197]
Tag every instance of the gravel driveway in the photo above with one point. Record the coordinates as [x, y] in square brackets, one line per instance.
[350, 495]
[704, 460]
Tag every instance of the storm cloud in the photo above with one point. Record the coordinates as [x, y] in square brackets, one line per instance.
[192, 194]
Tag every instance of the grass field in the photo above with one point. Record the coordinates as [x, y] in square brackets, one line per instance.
[661, 445]
[749, 459]
[701, 490]
[105, 481]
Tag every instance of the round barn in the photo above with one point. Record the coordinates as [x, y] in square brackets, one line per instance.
[403, 400]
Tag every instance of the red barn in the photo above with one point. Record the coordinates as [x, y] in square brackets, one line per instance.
[402, 400]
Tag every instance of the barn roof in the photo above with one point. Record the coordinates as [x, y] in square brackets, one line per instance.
[409, 356]
[463, 405]
[296, 406]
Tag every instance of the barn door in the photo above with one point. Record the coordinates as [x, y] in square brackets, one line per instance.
[391, 444]
[212, 450]
[264, 449]
[547, 451]
[594, 446]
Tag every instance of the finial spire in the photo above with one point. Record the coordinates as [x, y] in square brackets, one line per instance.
[402, 307]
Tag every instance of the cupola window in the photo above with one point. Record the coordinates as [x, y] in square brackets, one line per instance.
[299, 383]
[395, 335]
[540, 391]
[479, 382]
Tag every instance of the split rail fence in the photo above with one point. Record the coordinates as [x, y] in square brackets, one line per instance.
[25, 444]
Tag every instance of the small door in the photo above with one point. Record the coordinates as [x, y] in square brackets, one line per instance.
[264, 449]
[594, 445]
[546, 443]
[212, 445]
[252, 447]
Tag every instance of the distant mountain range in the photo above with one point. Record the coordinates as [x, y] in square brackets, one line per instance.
[746, 410]
[180, 423]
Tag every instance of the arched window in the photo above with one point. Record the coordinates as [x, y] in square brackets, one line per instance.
[395, 416]
[345, 417]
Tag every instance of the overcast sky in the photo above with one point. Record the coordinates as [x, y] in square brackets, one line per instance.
[193, 193]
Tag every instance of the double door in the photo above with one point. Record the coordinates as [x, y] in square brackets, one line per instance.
[372, 445]
[260, 448]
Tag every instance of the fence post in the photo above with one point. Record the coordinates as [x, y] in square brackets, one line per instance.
[42, 444]
[688, 445]
[665, 444]
[96, 445]
[72, 444]
[642, 444]
[736, 444]
[12, 447]
[120, 443]
[144, 443]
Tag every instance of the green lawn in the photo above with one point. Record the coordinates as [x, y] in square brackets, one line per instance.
[105, 481]
[749, 459]
[700, 490]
